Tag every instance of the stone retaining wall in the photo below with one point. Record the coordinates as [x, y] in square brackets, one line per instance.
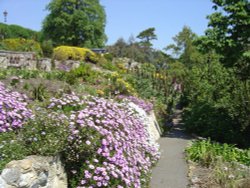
[27, 60]
[34, 172]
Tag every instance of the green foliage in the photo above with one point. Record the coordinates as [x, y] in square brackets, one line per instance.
[218, 104]
[108, 57]
[206, 153]
[147, 36]
[10, 148]
[228, 33]
[16, 31]
[47, 48]
[39, 92]
[20, 44]
[118, 85]
[184, 47]
[83, 72]
[108, 65]
[75, 23]
[46, 134]
[228, 165]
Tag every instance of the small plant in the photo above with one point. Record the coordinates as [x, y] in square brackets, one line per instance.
[206, 153]
[39, 93]
[14, 81]
[46, 134]
[10, 148]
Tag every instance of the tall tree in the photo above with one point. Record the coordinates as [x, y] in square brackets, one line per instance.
[147, 36]
[184, 47]
[228, 34]
[75, 22]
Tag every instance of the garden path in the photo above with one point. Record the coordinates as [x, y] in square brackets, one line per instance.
[171, 171]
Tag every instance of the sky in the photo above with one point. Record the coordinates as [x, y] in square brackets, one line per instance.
[125, 18]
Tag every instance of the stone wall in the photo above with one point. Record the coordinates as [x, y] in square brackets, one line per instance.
[27, 60]
[34, 172]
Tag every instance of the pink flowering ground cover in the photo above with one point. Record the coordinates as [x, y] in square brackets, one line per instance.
[146, 106]
[103, 143]
[13, 109]
[121, 155]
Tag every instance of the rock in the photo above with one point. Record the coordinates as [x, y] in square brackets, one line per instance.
[34, 172]
[66, 65]
[11, 175]
[2, 183]
[45, 64]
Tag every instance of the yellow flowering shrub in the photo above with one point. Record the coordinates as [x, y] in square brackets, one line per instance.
[120, 86]
[100, 92]
[74, 53]
[21, 45]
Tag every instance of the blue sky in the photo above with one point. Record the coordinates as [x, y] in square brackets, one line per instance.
[124, 17]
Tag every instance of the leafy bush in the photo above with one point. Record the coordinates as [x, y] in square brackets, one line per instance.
[13, 109]
[83, 72]
[20, 44]
[218, 104]
[47, 48]
[228, 165]
[46, 134]
[206, 153]
[16, 31]
[10, 148]
[118, 85]
[74, 53]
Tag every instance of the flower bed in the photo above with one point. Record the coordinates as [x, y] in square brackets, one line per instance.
[13, 109]
[122, 155]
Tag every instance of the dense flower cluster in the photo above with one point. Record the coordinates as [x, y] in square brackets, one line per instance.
[124, 155]
[67, 102]
[147, 106]
[13, 109]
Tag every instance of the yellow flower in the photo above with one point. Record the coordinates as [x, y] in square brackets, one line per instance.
[100, 92]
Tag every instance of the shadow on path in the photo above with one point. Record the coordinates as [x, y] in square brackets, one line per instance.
[177, 132]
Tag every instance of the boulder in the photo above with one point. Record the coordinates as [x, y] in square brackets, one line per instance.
[34, 172]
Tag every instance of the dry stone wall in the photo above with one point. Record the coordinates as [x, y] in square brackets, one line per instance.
[34, 172]
[27, 60]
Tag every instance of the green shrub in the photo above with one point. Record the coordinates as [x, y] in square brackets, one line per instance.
[47, 48]
[20, 44]
[228, 165]
[108, 57]
[206, 153]
[46, 134]
[83, 73]
[39, 92]
[16, 31]
[218, 104]
[10, 148]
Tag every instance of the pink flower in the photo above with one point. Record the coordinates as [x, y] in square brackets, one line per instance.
[88, 142]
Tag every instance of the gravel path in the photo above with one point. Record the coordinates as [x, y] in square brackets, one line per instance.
[171, 171]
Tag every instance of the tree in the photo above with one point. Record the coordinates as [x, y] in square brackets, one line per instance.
[147, 36]
[76, 23]
[184, 47]
[228, 34]
[16, 31]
